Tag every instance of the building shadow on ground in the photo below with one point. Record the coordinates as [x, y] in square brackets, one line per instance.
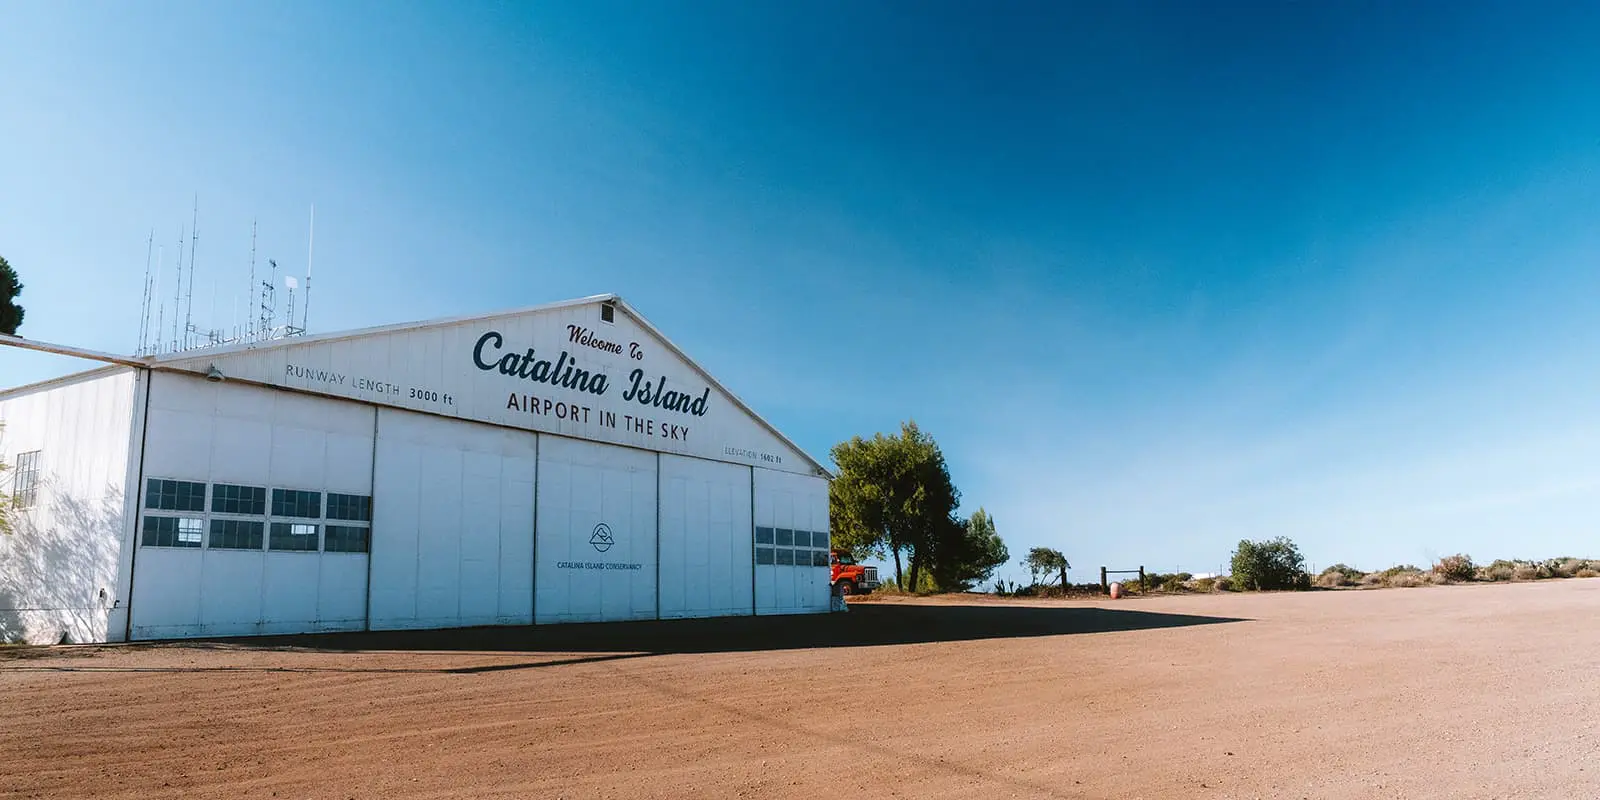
[865, 625]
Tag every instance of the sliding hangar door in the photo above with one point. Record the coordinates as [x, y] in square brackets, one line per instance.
[266, 511]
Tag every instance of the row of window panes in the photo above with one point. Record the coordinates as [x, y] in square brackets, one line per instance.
[785, 537]
[786, 557]
[170, 495]
[244, 534]
[25, 489]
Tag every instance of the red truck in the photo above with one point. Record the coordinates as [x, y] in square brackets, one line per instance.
[851, 578]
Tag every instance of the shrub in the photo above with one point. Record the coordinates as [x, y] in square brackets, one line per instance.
[1204, 584]
[1586, 572]
[1458, 567]
[1500, 570]
[1223, 584]
[1339, 575]
[1273, 564]
[1525, 572]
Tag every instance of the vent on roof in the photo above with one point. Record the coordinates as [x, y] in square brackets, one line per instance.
[608, 312]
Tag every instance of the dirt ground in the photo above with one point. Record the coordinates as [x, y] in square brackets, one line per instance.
[1452, 692]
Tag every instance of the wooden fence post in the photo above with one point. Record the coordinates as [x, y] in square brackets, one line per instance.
[1104, 587]
[1143, 585]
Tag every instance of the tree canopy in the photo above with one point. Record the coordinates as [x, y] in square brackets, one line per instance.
[1272, 564]
[1044, 563]
[893, 497]
[10, 288]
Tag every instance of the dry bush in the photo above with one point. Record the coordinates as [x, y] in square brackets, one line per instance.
[1586, 572]
[1498, 571]
[1339, 575]
[1458, 567]
[1434, 578]
[1223, 584]
[1525, 572]
[1404, 580]
[1203, 585]
[1372, 579]
[1570, 567]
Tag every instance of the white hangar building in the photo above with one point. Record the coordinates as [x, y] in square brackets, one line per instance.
[565, 463]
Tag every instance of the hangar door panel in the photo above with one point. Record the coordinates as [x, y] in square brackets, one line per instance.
[452, 524]
[597, 532]
[706, 554]
[254, 512]
[791, 543]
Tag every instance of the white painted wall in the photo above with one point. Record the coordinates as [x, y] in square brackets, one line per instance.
[794, 503]
[706, 552]
[453, 524]
[232, 433]
[581, 577]
[59, 575]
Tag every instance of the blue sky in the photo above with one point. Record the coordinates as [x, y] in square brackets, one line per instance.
[1157, 276]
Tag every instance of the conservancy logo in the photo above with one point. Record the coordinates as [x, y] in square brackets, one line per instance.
[601, 538]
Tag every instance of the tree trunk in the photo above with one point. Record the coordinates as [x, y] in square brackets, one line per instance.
[1063, 579]
[916, 572]
[898, 581]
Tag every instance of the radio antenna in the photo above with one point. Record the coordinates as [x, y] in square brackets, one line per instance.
[144, 304]
[177, 292]
[188, 306]
[311, 238]
[250, 291]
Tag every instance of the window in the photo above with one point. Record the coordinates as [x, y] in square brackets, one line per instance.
[344, 539]
[608, 312]
[300, 536]
[26, 491]
[819, 539]
[171, 532]
[168, 495]
[846, 559]
[785, 537]
[228, 499]
[764, 555]
[819, 558]
[236, 534]
[785, 557]
[353, 507]
[294, 503]
[763, 536]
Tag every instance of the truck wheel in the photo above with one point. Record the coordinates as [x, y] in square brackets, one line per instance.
[847, 588]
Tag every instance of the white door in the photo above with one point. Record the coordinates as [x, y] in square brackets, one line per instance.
[597, 532]
[707, 567]
[254, 512]
[791, 543]
[452, 523]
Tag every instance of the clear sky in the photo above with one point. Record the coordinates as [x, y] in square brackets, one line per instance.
[1157, 276]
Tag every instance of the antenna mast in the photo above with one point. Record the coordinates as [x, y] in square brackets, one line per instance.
[194, 243]
[144, 304]
[250, 323]
[311, 238]
[269, 302]
[177, 293]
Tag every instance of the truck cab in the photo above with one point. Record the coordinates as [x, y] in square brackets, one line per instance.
[849, 578]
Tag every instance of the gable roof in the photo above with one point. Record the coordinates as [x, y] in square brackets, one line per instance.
[174, 360]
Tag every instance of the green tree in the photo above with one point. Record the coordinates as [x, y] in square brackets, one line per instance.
[893, 495]
[967, 553]
[10, 288]
[1043, 562]
[1272, 564]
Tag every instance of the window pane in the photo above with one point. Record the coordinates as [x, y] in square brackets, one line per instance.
[785, 537]
[819, 539]
[228, 499]
[349, 506]
[763, 536]
[293, 536]
[344, 539]
[295, 503]
[171, 532]
[236, 534]
[819, 558]
[174, 495]
[763, 555]
[25, 487]
[785, 557]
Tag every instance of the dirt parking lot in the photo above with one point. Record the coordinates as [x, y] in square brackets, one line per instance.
[1476, 691]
